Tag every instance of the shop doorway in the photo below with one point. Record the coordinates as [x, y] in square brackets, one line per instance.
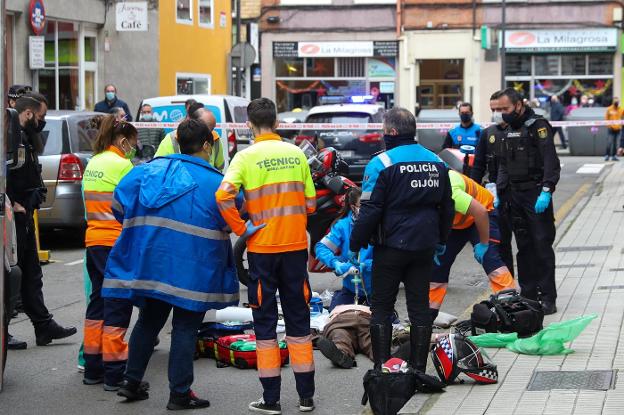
[441, 83]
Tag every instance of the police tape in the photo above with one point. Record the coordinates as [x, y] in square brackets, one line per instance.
[372, 126]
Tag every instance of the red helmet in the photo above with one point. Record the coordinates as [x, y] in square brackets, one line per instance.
[454, 354]
[327, 161]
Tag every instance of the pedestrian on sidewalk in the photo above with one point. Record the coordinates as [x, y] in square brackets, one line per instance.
[279, 194]
[111, 101]
[333, 251]
[476, 221]
[150, 136]
[172, 254]
[529, 171]
[557, 113]
[26, 190]
[614, 113]
[107, 319]
[407, 209]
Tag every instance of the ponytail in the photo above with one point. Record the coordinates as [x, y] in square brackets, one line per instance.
[351, 197]
[109, 130]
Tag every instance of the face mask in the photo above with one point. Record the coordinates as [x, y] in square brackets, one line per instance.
[31, 125]
[40, 126]
[110, 96]
[497, 117]
[147, 117]
[511, 118]
[465, 117]
[574, 101]
[130, 154]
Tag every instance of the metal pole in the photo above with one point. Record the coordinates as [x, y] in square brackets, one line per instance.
[502, 49]
[239, 82]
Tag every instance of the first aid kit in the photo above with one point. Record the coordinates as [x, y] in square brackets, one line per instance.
[507, 312]
[240, 351]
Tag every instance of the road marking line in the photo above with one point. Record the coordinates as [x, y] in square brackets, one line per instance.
[590, 168]
[563, 211]
[69, 264]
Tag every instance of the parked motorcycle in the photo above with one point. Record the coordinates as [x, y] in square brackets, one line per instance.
[327, 168]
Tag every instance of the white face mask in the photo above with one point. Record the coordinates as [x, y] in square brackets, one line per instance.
[497, 117]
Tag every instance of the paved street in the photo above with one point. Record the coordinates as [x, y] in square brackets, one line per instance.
[45, 380]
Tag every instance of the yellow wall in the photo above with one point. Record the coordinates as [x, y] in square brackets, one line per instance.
[186, 48]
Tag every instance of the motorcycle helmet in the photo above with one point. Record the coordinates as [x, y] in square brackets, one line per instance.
[454, 354]
[328, 162]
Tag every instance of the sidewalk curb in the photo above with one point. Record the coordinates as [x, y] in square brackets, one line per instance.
[420, 404]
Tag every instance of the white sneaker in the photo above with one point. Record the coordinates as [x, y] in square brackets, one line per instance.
[80, 368]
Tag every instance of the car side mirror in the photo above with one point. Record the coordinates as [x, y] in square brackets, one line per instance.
[15, 150]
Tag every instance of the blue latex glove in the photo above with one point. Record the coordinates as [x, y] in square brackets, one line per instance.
[543, 201]
[479, 252]
[341, 268]
[251, 228]
[496, 203]
[439, 250]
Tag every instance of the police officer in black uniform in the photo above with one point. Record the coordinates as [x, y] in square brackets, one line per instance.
[486, 161]
[26, 190]
[529, 171]
[407, 210]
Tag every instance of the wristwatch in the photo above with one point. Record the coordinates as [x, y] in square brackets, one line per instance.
[546, 189]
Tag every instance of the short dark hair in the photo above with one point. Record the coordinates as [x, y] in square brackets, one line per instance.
[496, 95]
[262, 113]
[107, 85]
[192, 134]
[146, 105]
[513, 95]
[31, 101]
[464, 105]
[188, 103]
[193, 109]
[401, 120]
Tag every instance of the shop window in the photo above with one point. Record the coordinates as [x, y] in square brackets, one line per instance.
[68, 54]
[547, 65]
[522, 87]
[351, 67]
[573, 65]
[289, 68]
[441, 83]
[90, 48]
[518, 65]
[305, 94]
[184, 11]
[206, 8]
[600, 64]
[381, 67]
[191, 84]
[317, 67]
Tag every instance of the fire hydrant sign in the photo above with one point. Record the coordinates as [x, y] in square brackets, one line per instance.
[131, 17]
[36, 52]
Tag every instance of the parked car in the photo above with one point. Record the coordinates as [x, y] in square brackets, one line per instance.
[226, 108]
[355, 146]
[68, 137]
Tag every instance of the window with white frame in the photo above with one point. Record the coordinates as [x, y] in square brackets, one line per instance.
[184, 11]
[192, 83]
[206, 13]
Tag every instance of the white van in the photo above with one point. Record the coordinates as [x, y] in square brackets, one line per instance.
[226, 108]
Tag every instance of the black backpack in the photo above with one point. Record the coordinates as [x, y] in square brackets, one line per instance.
[507, 312]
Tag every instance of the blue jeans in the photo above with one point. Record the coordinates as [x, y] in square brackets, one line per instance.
[152, 318]
[612, 140]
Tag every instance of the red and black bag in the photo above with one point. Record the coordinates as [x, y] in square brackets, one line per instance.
[239, 350]
[209, 333]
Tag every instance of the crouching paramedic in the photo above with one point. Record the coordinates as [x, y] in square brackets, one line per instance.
[107, 319]
[407, 209]
[172, 254]
[476, 221]
[279, 194]
[333, 251]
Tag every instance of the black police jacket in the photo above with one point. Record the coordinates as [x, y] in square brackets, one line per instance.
[486, 158]
[527, 154]
[24, 184]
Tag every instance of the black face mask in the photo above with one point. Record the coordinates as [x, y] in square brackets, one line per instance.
[512, 118]
[31, 125]
[466, 118]
[392, 141]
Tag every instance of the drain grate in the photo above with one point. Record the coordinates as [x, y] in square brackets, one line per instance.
[576, 266]
[601, 380]
[610, 287]
[585, 248]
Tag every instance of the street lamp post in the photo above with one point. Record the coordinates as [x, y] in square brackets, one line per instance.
[502, 49]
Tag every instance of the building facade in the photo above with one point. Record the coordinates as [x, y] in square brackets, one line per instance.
[314, 48]
[564, 48]
[182, 49]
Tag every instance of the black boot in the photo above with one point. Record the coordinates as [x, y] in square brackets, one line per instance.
[15, 344]
[133, 391]
[420, 337]
[333, 353]
[52, 331]
[381, 336]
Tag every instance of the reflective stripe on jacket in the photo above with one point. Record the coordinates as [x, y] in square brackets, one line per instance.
[278, 191]
[101, 176]
[172, 247]
[464, 190]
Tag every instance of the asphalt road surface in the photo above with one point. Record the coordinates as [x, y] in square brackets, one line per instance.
[44, 380]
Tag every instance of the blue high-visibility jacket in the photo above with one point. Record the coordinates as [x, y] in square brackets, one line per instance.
[172, 246]
[334, 247]
[459, 136]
